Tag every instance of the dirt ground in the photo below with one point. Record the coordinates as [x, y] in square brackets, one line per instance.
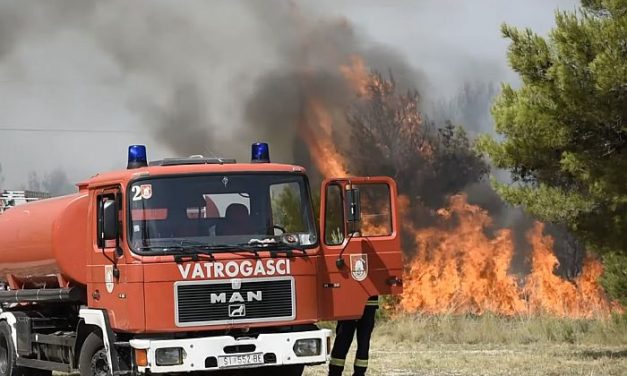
[452, 359]
[462, 360]
[492, 345]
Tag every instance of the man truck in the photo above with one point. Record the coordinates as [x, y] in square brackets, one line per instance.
[192, 265]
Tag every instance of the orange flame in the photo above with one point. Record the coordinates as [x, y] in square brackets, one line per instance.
[316, 125]
[316, 129]
[357, 75]
[549, 293]
[460, 269]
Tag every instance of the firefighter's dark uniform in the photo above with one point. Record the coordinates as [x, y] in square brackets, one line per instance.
[345, 331]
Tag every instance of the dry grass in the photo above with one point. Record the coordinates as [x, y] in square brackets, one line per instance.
[491, 329]
[491, 345]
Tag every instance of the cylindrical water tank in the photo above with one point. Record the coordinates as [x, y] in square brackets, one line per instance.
[47, 237]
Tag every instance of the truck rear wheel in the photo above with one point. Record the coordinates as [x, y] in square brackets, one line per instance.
[8, 356]
[93, 360]
[7, 352]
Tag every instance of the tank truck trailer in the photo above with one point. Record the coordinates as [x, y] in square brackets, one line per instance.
[192, 265]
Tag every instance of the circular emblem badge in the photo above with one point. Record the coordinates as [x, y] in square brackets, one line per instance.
[359, 267]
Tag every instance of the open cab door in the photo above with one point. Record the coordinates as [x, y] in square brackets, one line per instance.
[361, 247]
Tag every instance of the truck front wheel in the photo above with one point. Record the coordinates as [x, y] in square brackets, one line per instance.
[93, 360]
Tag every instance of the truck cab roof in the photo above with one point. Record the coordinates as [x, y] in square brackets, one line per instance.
[183, 167]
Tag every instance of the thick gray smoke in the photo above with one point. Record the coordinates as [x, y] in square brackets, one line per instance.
[179, 76]
[155, 72]
[313, 58]
[159, 56]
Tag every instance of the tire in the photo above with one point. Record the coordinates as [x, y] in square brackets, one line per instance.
[93, 360]
[7, 352]
[8, 356]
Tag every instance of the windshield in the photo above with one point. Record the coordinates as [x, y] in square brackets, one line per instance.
[173, 213]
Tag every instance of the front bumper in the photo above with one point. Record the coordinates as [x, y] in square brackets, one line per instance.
[202, 353]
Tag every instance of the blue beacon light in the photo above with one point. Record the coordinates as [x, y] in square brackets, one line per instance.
[260, 153]
[137, 157]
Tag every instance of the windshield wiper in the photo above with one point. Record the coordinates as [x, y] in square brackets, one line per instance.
[205, 248]
[180, 251]
[242, 247]
[289, 248]
[273, 246]
[255, 246]
[167, 248]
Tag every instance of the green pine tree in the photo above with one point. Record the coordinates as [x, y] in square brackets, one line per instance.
[563, 133]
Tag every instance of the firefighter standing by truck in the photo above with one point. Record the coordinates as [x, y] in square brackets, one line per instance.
[345, 331]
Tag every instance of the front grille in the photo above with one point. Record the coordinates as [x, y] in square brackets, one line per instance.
[220, 302]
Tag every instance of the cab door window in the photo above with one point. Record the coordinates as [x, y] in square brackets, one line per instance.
[376, 210]
[334, 215]
[101, 200]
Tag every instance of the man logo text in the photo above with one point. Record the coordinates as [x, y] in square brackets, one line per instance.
[236, 297]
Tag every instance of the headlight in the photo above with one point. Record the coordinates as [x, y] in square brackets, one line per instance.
[170, 356]
[307, 347]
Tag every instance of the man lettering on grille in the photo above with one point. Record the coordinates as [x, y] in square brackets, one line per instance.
[345, 331]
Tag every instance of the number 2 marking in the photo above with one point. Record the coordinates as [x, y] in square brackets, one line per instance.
[137, 193]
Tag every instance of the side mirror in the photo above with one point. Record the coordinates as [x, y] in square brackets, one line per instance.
[353, 209]
[109, 220]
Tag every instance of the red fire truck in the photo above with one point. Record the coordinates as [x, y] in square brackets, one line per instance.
[192, 265]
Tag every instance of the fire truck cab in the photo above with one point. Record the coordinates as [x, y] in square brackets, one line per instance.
[192, 265]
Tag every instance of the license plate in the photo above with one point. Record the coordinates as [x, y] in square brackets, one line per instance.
[240, 360]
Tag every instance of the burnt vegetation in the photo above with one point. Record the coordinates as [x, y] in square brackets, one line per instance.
[392, 136]
[430, 161]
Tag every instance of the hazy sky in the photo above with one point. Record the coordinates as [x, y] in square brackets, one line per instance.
[451, 40]
[68, 71]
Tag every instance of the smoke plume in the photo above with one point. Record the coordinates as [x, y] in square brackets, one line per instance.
[133, 66]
